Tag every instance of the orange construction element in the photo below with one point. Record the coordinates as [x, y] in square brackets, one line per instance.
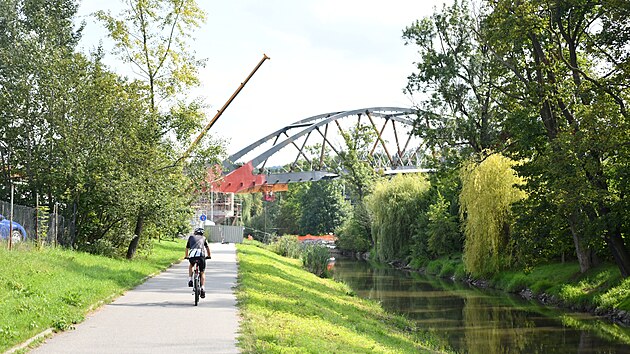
[316, 238]
[243, 180]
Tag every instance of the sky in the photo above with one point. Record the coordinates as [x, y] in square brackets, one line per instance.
[326, 55]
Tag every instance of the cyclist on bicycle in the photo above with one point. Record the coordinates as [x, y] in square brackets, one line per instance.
[197, 250]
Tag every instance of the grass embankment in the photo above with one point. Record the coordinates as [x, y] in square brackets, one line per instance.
[601, 287]
[286, 309]
[55, 287]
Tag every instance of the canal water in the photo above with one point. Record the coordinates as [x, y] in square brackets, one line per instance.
[466, 319]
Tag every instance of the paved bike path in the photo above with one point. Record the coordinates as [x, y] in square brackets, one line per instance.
[159, 316]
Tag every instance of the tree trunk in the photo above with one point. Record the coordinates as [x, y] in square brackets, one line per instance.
[583, 253]
[133, 245]
[618, 248]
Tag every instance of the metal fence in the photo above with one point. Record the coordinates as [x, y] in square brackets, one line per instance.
[225, 233]
[51, 225]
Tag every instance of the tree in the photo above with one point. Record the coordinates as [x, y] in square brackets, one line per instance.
[323, 208]
[37, 40]
[290, 209]
[443, 234]
[489, 189]
[151, 36]
[570, 89]
[458, 109]
[358, 177]
[395, 207]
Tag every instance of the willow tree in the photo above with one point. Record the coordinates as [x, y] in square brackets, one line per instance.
[489, 189]
[396, 206]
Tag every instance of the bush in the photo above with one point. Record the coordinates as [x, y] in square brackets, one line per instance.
[434, 267]
[448, 269]
[287, 246]
[354, 234]
[315, 258]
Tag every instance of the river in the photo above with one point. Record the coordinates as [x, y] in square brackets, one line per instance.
[466, 319]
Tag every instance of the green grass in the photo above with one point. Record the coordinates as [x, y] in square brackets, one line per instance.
[55, 287]
[286, 309]
[600, 287]
[446, 267]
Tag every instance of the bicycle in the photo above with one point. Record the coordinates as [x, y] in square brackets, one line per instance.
[196, 280]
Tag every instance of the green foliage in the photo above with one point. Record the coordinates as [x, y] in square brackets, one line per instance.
[526, 78]
[287, 246]
[396, 206]
[355, 170]
[537, 226]
[567, 115]
[323, 208]
[457, 112]
[488, 191]
[443, 235]
[446, 267]
[290, 209]
[87, 139]
[315, 258]
[354, 234]
[151, 35]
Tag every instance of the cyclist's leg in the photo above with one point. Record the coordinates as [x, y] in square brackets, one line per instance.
[190, 271]
[202, 269]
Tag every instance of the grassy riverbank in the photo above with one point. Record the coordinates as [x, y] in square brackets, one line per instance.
[601, 288]
[287, 309]
[55, 288]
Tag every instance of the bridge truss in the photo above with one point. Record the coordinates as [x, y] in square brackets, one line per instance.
[310, 150]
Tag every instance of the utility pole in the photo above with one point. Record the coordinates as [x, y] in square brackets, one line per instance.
[11, 218]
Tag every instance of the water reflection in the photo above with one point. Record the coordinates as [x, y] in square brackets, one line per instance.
[470, 320]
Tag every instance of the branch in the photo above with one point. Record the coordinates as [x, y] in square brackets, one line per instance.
[170, 38]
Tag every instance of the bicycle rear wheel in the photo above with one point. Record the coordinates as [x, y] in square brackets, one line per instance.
[196, 287]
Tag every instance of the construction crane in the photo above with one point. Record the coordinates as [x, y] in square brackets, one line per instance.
[220, 111]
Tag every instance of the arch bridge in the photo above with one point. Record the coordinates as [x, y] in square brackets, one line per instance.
[308, 150]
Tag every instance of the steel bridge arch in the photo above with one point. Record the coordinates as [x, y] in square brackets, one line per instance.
[253, 176]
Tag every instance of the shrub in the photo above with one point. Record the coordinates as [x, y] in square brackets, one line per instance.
[287, 246]
[434, 267]
[448, 269]
[315, 258]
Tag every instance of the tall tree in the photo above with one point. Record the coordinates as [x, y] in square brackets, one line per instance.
[488, 191]
[567, 84]
[457, 108]
[396, 207]
[152, 36]
[37, 40]
[323, 208]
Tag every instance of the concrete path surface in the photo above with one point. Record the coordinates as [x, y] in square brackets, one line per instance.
[159, 316]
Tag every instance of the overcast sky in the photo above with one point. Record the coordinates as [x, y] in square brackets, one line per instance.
[326, 55]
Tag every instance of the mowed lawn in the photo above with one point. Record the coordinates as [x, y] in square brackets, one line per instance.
[54, 287]
[286, 309]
